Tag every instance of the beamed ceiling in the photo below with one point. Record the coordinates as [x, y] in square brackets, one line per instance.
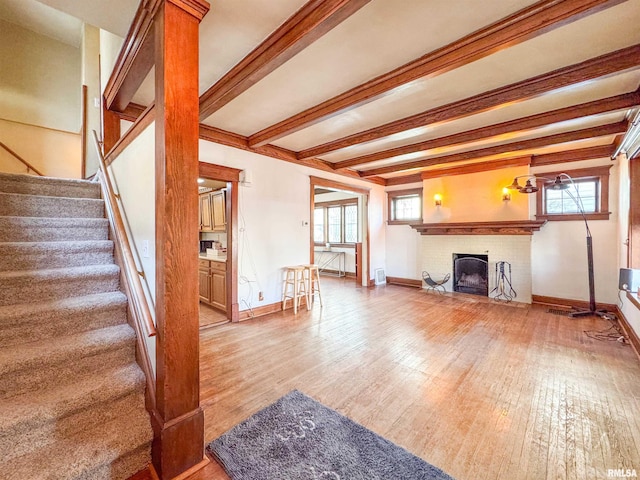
[392, 89]
[386, 90]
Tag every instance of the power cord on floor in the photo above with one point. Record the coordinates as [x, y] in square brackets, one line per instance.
[612, 334]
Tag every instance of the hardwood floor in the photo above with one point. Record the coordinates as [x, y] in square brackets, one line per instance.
[210, 317]
[482, 390]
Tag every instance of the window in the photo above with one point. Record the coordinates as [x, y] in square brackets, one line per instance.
[590, 186]
[405, 206]
[335, 222]
[318, 225]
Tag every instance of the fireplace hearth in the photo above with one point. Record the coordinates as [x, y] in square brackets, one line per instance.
[471, 273]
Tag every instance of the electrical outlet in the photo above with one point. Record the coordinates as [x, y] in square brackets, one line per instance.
[260, 296]
[145, 248]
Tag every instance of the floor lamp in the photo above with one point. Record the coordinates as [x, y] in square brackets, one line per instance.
[560, 184]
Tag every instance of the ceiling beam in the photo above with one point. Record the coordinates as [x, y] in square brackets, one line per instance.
[605, 105]
[590, 153]
[608, 64]
[477, 167]
[235, 140]
[308, 24]
[403, 180]
[575, 155]
[523, 25]
[585, 133]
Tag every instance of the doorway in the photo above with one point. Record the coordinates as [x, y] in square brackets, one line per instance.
[218, 230]
[339, 230]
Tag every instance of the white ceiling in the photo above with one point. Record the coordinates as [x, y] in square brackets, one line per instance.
[40, 18]
[376, 39]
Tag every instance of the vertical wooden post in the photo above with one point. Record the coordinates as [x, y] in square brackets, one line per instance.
[179, 421]
[634, 214]
[110, 128]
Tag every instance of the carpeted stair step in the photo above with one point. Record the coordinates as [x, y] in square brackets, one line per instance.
[38, 285]
[36, 229]
[34, 321]
[27, 421]
[20, 205]
[114, 450]
[36, 255]
[53, 187]
[41, 365]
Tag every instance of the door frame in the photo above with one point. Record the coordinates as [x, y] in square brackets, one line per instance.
[232, 177]
[323, 182]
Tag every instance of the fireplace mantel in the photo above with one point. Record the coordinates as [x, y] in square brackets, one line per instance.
[511, 227]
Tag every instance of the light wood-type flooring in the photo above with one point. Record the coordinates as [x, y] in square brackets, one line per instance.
[210, 317]
[481, 390]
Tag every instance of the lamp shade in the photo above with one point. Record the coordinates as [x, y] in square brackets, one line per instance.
[514, 185]
[558, 184]
[529, 188]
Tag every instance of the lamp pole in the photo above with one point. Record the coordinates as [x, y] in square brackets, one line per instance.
[558, 184]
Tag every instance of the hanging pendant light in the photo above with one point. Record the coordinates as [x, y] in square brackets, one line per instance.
[558, 184]
[529, 188]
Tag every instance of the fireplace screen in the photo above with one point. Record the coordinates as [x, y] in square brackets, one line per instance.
[471, 273]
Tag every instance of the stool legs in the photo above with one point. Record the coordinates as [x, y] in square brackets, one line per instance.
[294, 281]
[312, 280]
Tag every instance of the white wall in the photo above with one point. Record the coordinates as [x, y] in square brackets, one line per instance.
[271, 211]
[403, 245]
[91, 78]
[110, 46]
[53, 152]
[475, 197]
[133, 175]
[559, 251]
[39, 79]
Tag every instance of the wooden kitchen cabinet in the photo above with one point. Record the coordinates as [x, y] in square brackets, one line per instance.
[218, 211]
[213, 212]
[218, 287]
[204, 277]
[213, 283]
[206, 219]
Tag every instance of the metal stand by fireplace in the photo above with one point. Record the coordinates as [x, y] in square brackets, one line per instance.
[471, 274]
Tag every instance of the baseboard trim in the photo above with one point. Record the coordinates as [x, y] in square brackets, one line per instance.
[630, 332]
[404, 282]
[568, 302]
[269, 308]
[336, 273]
[205, 461]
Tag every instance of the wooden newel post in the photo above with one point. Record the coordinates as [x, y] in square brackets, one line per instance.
[178, 420]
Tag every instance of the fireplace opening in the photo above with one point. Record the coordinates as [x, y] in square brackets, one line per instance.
[471, 273]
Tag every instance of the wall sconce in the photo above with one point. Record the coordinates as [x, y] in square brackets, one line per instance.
[438, 199]
[506, 195]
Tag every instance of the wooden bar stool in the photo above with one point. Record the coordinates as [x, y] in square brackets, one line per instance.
[294, 287]
[312, 279]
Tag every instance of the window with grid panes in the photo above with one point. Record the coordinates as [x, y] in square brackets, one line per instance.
[335, 223]
[590, 187]
[405, 206]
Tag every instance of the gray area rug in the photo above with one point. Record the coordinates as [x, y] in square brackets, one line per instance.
[297, 438]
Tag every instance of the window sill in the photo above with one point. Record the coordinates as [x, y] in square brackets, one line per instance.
[574, 217]
[417, 221]
[337, 245]
[633, 297]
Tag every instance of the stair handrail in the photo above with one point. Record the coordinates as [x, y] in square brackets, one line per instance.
[18, 157]
[139, 299]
